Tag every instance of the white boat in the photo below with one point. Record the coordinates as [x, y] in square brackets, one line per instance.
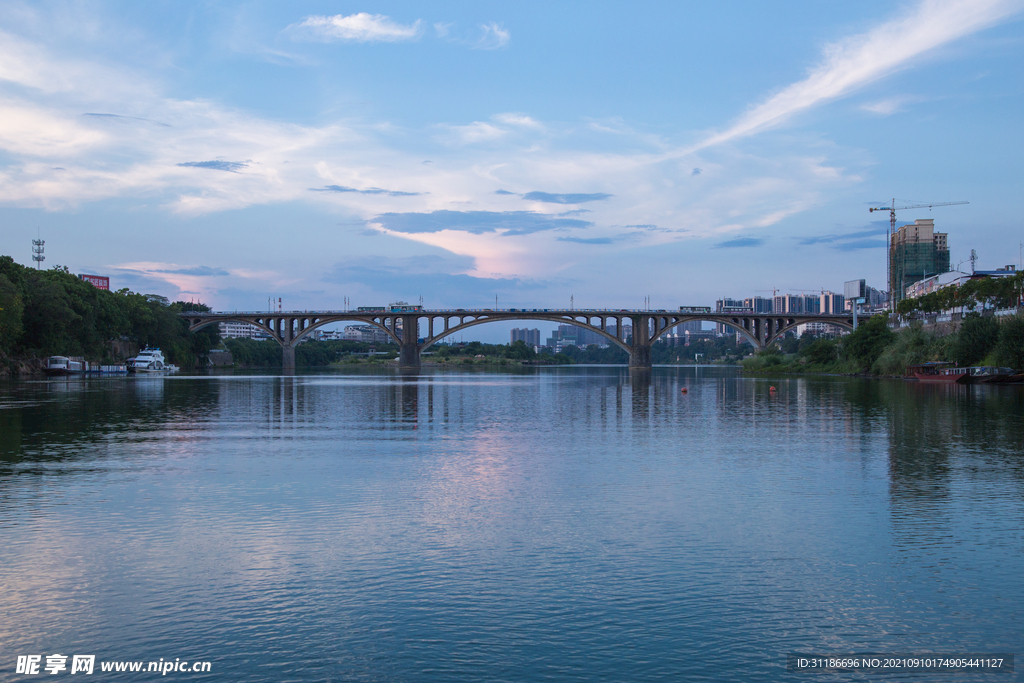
[150, 360]
[62, 365]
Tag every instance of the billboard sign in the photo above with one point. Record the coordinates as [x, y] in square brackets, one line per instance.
[855, 289]
[97, 281]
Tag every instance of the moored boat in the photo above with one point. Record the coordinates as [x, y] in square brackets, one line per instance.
[990, 375]
[150, 360]
[938, 372]
[63, 365]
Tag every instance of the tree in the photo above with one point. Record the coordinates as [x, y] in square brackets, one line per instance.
[11, 310]
[867, 342]
[1010, 347]
[975, 338]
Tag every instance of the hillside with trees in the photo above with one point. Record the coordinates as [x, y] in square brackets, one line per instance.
[53, 312]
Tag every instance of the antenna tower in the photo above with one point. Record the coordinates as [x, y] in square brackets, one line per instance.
[37, 252]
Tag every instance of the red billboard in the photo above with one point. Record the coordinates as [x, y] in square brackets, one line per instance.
[97, 281]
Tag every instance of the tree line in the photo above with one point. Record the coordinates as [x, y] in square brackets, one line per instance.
[989, 292]
[53, 312]
[876, 349]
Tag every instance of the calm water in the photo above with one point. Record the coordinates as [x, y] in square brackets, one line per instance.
[563, 524]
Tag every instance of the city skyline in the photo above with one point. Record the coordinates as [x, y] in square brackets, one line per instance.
[535, 154]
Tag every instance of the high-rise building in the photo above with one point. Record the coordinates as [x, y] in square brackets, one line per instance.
[916, 252]
[531, 337]
[570, 335]
[759, 304]
[832, 304]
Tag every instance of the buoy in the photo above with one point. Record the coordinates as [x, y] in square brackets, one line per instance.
[684, 390]
[771, 390]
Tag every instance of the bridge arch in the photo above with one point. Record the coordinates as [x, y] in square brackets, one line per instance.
[316, 322]
[527, 316]
[676, 321]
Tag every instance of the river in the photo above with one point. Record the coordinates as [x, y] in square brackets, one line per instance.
[549, 524]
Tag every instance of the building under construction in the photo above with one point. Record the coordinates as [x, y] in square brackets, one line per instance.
[916, 252]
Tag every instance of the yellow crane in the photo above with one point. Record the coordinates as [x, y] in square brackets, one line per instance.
[892, 209]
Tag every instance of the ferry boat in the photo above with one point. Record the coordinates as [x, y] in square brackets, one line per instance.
[63, 365]
[150, 360]
[948, 373]
[944, 373]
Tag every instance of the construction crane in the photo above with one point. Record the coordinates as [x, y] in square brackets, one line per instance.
[892, 209]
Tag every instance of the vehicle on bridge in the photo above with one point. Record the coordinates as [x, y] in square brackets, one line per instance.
[371, 309]
[404, 307]
[694, 309]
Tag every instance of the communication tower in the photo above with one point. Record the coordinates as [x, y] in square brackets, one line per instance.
[37, 252]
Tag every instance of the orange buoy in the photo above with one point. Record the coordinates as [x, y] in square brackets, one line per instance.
[684, 390]
[771, 390]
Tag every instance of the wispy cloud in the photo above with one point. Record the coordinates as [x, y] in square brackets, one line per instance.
[371, 190]
[361, 28]
[877, 228]
[587, 240]
[740, 242]
[202, 271]
[229, 166]
[861, 59]
[493, 36]
[507, 223]
[513, 119]
[478, 131]
[889, 106]
[568, 198]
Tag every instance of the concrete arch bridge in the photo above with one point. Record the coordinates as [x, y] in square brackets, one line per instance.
[291, 327]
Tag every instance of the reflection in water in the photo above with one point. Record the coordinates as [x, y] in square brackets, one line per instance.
[554, 523]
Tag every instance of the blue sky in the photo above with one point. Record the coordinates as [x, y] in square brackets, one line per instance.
[232, 151]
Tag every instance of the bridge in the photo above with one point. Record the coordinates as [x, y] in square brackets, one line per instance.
[291, 327]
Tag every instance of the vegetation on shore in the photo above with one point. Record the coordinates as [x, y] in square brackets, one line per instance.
[52, 312]
[875, 349]
[250, 353]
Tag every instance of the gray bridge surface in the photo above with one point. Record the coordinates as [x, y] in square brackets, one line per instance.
[288, 328]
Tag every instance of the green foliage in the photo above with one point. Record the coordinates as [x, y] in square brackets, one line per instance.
[821, 351]
[1010, 347]
[912, 346]
[989, 292]
[251, 353]
[50, 312]
[12, 309]
[865, 344]
[976, 337]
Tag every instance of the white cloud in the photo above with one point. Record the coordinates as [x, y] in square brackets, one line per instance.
[105, 157]
[861, 59]
[362, 28]
[478, 131]
[493, 37]
[887, 107]
[513, 119]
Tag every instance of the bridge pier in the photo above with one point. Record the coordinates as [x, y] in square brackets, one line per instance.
[640, 349]
[409, 351]
[287, 357]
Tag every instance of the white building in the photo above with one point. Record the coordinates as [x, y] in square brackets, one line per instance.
[233, 330]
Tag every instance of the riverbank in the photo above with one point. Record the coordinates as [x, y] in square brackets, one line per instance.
[875, 350]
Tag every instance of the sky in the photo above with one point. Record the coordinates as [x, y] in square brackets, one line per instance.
[529, 154]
